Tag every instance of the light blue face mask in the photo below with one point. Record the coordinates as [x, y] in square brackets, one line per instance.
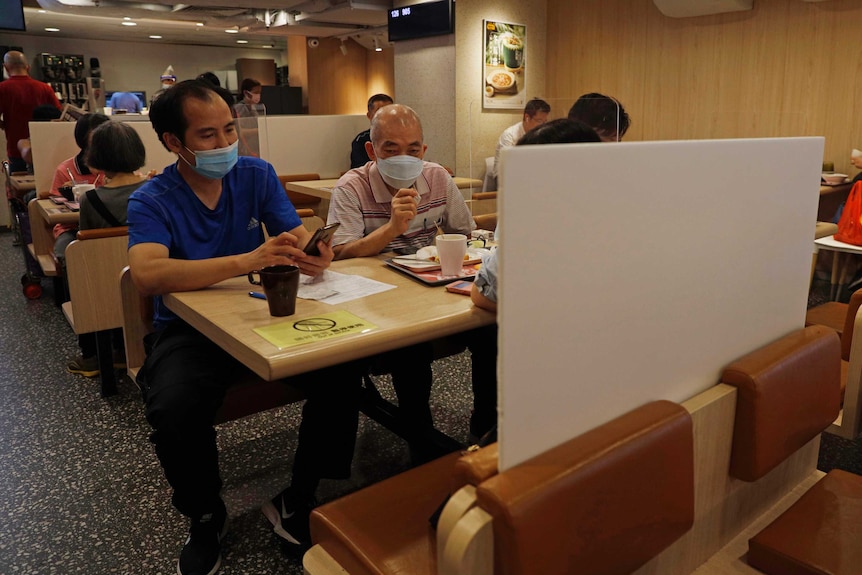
[400, 171]
[214, 164]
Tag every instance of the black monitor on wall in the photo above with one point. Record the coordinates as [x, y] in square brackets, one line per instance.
[421, 20]
[12, 15]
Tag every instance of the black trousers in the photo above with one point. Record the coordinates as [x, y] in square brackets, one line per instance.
[412, 379]
[185, 377]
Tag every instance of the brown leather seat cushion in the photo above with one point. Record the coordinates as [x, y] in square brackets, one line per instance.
[604, 502]
[821, 534]
[831, 314]
[788, 392]
[384, 528]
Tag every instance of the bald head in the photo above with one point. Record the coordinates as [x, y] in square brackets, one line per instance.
[391, 118]
[15, 62]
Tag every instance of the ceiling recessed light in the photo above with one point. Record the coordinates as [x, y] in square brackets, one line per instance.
[232, 31]
[154, 37]
[199, 23]
[42, 11]
[52, 29]
[129, 23]
[267, 45]
[242, 41]
[126, 18]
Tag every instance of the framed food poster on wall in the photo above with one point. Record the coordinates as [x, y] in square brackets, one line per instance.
[504, 83]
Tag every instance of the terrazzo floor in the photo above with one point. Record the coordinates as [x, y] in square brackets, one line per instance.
[81, 490]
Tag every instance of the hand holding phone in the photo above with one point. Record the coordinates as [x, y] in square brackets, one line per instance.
[320, 234]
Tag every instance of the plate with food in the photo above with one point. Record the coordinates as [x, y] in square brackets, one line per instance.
[426, 259]
[502, 81]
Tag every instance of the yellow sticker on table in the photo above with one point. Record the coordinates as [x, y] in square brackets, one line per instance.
[315, 328]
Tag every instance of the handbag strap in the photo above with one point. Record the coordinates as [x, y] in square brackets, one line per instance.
[103, 210]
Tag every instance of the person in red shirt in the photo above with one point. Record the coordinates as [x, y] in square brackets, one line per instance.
[19, 96]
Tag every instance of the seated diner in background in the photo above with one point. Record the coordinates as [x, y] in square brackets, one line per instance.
[535, 114]
[561, 131]
[75, 171]
[604, 114]
[197, 223]
[116, 151]
[358, 155]
[398, 202]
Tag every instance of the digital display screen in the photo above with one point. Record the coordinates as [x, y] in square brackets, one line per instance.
[421, 20]
[12, 15]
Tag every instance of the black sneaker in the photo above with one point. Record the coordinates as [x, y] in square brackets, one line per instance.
[289, 521]
[201, 555]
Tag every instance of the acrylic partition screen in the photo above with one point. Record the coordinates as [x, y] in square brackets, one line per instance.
[642, 269]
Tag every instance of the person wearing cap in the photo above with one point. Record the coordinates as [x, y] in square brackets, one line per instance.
[168, 79]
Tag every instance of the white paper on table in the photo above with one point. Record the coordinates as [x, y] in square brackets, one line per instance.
[335, 288]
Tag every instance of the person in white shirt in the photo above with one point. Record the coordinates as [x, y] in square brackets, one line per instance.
[535, 114]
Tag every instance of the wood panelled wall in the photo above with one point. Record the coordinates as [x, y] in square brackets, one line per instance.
[786, 68]
[342, 84]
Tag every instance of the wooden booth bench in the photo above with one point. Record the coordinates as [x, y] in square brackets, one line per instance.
[659, 490]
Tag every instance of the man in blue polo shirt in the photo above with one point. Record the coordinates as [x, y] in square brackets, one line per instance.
[198, 223]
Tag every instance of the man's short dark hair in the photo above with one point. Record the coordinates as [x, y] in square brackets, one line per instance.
[605, 114]
[537, 105]
[560, 131]
[166, 113]
[386, 99]
[86, 124]
[116, 148]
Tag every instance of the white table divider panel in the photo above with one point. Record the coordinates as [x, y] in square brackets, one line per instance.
[292, 144]
[299, 144]
[656, 265]
[54, 142]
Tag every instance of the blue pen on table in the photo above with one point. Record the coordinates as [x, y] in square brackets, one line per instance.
[257, 295]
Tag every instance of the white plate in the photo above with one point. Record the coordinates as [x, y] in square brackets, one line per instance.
[427, 254]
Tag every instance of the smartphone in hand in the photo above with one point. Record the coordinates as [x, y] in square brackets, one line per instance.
[320, 234]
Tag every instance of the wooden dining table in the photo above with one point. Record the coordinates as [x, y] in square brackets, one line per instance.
[410, 313]
[22, 183]
[44, 215]
[323, 189]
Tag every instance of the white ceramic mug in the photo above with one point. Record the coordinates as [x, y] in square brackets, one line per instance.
[451, 249]
[108, 110]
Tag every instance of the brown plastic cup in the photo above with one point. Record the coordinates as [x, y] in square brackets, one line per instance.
[280, 284]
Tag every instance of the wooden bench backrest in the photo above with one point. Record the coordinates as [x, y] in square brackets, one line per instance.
[92, 270]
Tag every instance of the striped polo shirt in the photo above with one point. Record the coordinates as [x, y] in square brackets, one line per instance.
[362, 203]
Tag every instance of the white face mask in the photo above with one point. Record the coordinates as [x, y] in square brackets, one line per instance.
[400, 171]
[166, 85]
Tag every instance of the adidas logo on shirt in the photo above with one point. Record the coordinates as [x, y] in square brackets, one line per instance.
[252, 223]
